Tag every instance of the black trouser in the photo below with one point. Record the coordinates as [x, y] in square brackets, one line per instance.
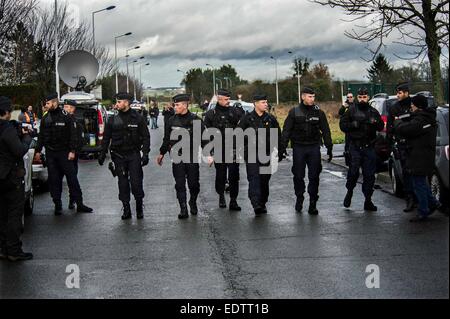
[75, 164]
[307, 155]
[59, 166]
[407, 178]
[12, 202]
[129, 172]
[189, 172]
[363, 157]
[233, 178]
[258, 185]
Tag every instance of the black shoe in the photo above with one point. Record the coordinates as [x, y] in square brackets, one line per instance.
[58, 209]
[20, 256]
[71, 204]
[234, 206]
[81, 208]
[139, 209]
[348, 199]
[264, 209]
[193, 207]
[313, 208]
[299, 204]
[369, 206]
[184, 212]
[419, 219]
[259, 211]
[410, 205]
[126, 211]
[435, 207]
[222, 202]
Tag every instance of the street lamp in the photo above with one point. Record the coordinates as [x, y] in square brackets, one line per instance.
[276, 77]
[140, 72]
[214, 77]
[184, 75]
[128, 76]
[56, 50]
[115, 58]
[298, 77]
[93, 24]
[134, 75]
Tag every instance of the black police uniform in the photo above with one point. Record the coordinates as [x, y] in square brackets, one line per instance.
[58, 134]
[258, 189]
[342, 111]
[306, 127]
[167, 114]
[361, 123]
[420, 134]
[402, 111]
[126, 135]
[184, 171]
[12, 195]
[222, 118]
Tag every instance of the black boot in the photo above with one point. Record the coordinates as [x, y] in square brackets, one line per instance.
[234, 205]
[369, 206]
[58, 208]
[126, 211]
[81, 208]
[409, 204]
[193, 206]
[222, 202]
[313, 208]
[299, 204]
[348, 199]
[184, 211]
[71, 204]
[20, 256]
[139, 209]
[259, 211]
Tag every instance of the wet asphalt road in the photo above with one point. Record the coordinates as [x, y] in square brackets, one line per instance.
[222, 254]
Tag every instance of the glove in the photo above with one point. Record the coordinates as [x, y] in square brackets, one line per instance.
[355, 124]
[330, 154]
[101, 159]
[145, 160]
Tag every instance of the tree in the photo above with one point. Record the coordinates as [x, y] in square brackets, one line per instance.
[301, 66]
[380, 71]
[421, 25]
[13, 12]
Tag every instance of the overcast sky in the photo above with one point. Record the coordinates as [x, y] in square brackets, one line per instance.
[182, 34]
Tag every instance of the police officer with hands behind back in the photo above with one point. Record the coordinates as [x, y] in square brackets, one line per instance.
[224, 116]
[306, 126]
[58, 134]
[127, 135]
[183, 171]
[361, 124]
[12, 196]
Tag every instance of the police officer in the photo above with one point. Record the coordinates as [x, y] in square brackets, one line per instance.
[168, 112]
[420, 134]
[183, 170]
[70, 108]
[127, 135]
[58, 134]
[306, 126]
[12, 195]
[224, 116]
[344, 108]
[401, 110]
[259, 118]
[361, 124]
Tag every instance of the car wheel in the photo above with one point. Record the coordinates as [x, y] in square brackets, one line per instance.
[29, 204]
[397, 187]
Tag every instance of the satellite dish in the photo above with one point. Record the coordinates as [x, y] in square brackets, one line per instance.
[78, 69]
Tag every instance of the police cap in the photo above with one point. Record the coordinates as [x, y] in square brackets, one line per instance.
[363, 91]
[181, 98]
[259, 97]
[124, 96]
[52, 96]
[70, 102]
[404, 87]
[224, 92]
[308, 90]
[420, 101]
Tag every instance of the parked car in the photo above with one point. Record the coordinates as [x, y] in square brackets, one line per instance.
[439, 181]
[92, 116]
[29, 190]
[142, 109]
[40, 172]
[248, 107]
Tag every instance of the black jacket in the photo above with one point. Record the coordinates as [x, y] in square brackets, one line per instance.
[361, 124]
[57, 132]
[420, 134]
[126, 132]
[12, 149]
[306, 125]
[344, 108]
[253, 121]
[79, 135]
[400, 109]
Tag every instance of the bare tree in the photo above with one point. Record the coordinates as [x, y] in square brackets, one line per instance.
[11, 13]
[421, 25]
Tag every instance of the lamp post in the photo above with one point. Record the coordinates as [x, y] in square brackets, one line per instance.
[115, 58]
[134, 76]
[214, 78]
[184, 76]
[128, 76]
[298, 77]
[56, 50]
[140, 74]
[276, 77]
[93, 24]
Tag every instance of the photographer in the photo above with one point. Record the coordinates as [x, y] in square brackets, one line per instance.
[13, 146]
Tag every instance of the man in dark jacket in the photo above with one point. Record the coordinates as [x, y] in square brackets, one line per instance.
[350, 101]
[420, 134]
[361, 124]
[12, 196]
